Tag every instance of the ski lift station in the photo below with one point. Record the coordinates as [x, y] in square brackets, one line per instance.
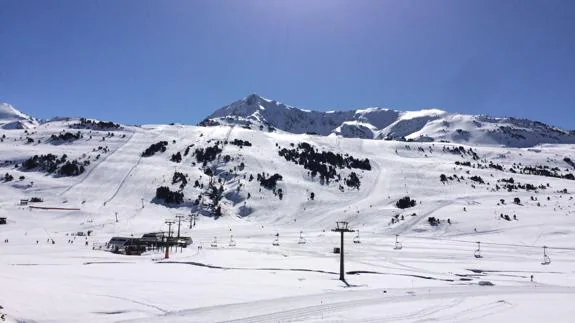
[153, 238]
[125, 245]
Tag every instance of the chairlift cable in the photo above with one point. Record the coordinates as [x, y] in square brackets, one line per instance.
[496, 243]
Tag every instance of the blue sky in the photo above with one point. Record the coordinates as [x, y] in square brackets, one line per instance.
[177, 61]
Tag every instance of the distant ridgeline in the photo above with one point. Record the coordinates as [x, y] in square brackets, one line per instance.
[257, 113]
[95, 125]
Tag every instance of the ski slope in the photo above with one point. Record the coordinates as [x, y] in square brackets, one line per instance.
[435, 275]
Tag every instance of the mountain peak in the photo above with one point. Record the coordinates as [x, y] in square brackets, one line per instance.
[9, 112]
[12, 118]
[259, 113]
[254, 99]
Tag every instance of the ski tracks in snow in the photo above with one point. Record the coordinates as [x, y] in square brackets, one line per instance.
[298, 308]
[123, 181]
[115, 169]
[404, 227]
[308, 312]
[97, 165]
[152, 306]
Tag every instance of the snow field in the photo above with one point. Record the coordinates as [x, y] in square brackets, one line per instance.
[434, 276]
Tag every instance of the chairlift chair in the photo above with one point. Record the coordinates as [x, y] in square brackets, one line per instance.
[301, 238]
[477, 253]
[546, 259]
[356, 238]
[214, 243]
[277, 240]
[398, 245]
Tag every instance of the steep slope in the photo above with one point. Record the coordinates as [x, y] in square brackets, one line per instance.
[257, 112]
[11, 118]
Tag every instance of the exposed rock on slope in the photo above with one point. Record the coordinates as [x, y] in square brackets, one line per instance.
[257, 112]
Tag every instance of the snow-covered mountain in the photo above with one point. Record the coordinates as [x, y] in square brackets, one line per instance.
[379, 123]
[11, 118]
[264, 204]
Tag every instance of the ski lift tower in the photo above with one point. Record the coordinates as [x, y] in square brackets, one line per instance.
[179, 217]
[341, 227]
[169, 223]
[193, 217]
[477, 253]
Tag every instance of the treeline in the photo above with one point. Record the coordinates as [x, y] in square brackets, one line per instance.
[240, 143]
[269, 182]
[460, 150]
[154, 148]
[95, 125]
[323, 163]
[208, 154]
[52, 164]
[545, 171]
[181, 179]
[164, 194]
[67, 137]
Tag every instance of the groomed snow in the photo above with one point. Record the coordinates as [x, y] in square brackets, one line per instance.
[434, 277]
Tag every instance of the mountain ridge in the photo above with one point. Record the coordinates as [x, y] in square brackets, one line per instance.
[12, 118]
[376, 123]
[387, 124]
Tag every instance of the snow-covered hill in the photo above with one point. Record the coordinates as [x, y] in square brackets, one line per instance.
[11, 118]
[377, 123]
[254, 187]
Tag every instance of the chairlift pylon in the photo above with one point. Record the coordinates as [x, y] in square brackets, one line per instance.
[477, 253]
[546, 259]
[356, 238]
[301, 238]
[277, 240]
[398, 245]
